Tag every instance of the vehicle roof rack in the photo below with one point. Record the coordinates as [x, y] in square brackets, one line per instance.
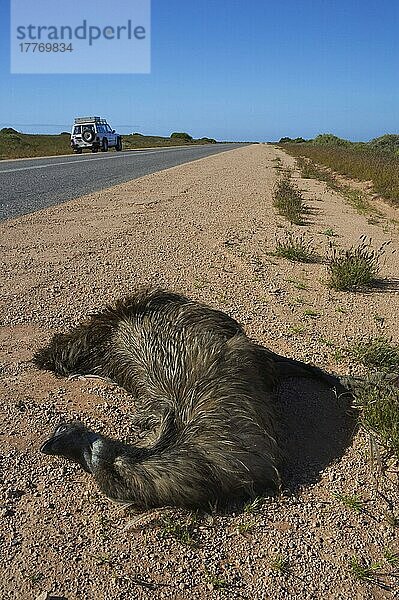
[80, 120]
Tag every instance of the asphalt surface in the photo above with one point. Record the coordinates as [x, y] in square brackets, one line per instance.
[30, 184]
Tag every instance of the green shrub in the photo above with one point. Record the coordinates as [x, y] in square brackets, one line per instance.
[181, 134]
[387, 143]
[287, 140]
[328, 139]
[207, 140]
[288, 201]
[376, 352]
[354, 268]
[295, 247]
[378, 402]
[8, 130]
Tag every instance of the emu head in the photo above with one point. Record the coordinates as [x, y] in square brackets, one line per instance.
[72, 441]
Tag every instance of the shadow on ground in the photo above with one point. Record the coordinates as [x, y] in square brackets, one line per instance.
[386, 285]
[316, 428]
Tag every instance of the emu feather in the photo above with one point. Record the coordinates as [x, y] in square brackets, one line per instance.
[208, 387]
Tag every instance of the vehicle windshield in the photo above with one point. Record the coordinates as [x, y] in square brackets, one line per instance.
[88, 128]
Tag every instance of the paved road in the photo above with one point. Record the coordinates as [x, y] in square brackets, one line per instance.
[32, 184]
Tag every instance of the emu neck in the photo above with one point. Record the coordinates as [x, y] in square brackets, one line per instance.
[105, 451]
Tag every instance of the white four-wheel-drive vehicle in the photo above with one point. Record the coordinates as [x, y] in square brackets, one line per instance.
[95, 134]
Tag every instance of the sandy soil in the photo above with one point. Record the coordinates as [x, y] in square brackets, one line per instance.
[206, 229]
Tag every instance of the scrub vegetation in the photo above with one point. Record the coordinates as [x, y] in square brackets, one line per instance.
[376, 161]
[14, 144]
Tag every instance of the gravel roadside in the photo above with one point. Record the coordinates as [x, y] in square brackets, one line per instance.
[206, 229]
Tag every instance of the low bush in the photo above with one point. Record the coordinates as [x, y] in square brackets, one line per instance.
[376, 352]
[288, 201]
[378, 402]
[328, 139]
[295, 247]
[354, 268]
[183, 135]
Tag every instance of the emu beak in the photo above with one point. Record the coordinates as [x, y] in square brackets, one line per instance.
[54, 445]
[71, 441]
[47, 447]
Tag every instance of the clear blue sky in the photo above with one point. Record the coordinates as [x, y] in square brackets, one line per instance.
[234, 70]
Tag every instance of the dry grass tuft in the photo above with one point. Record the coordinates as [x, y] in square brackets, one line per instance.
[288, 201]
[355, 268]
[295, 247]
[376, 352]
[377, 400]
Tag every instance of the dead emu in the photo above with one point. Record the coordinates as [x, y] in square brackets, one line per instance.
[207, 387]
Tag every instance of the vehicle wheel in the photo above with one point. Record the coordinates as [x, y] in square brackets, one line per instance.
[118, 146]
[88, 136]
[104, 147]
[78, 151]
[94, 149]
